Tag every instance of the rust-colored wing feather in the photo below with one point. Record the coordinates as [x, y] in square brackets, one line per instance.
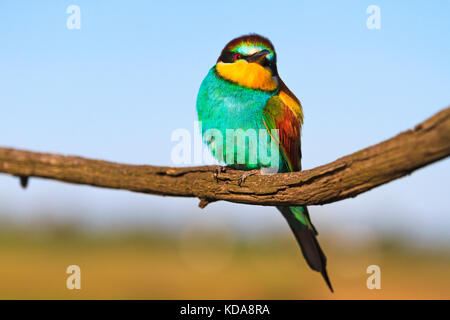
[284, 112]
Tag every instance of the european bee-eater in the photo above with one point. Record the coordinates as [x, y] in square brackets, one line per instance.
[243, 91]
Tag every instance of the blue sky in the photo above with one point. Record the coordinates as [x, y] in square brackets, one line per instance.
[118, 87]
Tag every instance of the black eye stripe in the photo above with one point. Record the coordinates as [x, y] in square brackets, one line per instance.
[228, 57]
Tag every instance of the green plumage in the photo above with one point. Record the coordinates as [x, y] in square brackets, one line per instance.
[223, 105]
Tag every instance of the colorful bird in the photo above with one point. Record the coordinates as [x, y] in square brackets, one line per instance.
[243, 92]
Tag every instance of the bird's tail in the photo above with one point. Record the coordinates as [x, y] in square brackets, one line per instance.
[305, 233]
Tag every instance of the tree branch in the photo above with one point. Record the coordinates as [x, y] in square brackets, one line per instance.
[344, 178]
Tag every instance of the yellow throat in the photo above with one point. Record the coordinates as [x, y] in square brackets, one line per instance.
[250, 75]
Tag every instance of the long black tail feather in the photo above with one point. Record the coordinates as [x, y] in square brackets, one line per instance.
[309, 245]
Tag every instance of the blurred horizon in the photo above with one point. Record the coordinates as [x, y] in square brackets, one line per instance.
[201, 263]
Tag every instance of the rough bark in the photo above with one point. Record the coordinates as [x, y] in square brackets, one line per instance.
[344, 178]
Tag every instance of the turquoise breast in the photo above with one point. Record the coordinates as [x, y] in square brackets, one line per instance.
[223, 105]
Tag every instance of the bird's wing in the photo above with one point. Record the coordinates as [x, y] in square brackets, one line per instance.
[284, 112]
[289, 98]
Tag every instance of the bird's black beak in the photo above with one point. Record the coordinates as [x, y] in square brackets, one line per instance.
[258, 57]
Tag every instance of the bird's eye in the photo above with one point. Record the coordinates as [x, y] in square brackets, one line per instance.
[237, 56]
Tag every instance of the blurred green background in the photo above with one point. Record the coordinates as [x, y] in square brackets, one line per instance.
[207, 263]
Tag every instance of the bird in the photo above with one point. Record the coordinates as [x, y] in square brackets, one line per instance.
[243, 91]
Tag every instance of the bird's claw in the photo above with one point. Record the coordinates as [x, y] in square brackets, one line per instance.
[244, 176]
[218, 170]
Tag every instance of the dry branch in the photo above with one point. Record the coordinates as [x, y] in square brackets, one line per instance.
[344, 178]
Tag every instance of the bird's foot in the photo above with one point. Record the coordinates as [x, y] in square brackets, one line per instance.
[247, 174]
[218, 170]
